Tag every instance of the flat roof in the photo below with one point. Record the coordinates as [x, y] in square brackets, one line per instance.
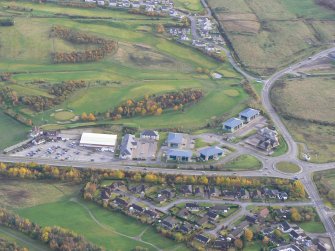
[98, 139]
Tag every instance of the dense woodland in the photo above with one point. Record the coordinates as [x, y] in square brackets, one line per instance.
[104, 46]
[155, 105]
[9, 246]
[56, 238]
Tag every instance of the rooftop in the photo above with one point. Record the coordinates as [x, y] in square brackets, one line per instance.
[210, 151]
[179, 153]
[249, 112]
[98, 139]
[175, 138]
[233, 122]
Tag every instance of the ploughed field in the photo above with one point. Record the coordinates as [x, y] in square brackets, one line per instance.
[279, 32]
[143, 63]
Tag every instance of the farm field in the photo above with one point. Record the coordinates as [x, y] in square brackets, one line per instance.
[63, 207]
[144, 63]
[280, 32]
[313, 129]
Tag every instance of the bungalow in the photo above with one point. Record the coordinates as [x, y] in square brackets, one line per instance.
[294, 235]
[149, 134]
[136, 208]
[186, 189]
[184, 213]
[212, 215]
[203, 239]
[220, 209]
[151, 214]
[285, 227]
[105, 195]
[192, 206]
[264, 213]
[137, 189]
[210, 153]
[120, 202]
[251, 219]
[221, 244]
[169, 223]
[185, 229]
[248, 114]
[179, 155]
[176, 140]
[233, 124]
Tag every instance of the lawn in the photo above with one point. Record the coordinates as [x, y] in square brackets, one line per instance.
[64, 115]
[12, 131]
[189, 5]
[243, 162]
[278, 32]
[49, 203]
[313, 227]
[281, 149]
[288, 167]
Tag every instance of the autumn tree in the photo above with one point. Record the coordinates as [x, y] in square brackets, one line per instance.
[91, 117]
[84, 116]
[265, 240]
[160, 28]
[238, 244]
[203, 180]
[248, 234]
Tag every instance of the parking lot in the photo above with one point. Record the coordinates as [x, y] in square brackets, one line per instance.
[65, 150]
[146, 149]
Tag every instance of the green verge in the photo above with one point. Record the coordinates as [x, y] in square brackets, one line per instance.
[288, 167]
[243, 162]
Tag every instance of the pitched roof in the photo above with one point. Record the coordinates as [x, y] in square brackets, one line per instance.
[285, 226]
[149, 133]
[179, 153]
[249, 112]
[233, 122]
[210, 151]
[128, 142]
[175, 138]
[202, 238]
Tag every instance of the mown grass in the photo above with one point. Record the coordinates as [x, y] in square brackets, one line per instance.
[243, 162]
[281, 149]
[190, 5]
[50, 204]
[288, 167]
[313, 227]
[11, 131]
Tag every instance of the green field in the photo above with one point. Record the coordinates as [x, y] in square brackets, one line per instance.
[189, 5]
[144, 63]
[12, 131]
[243, 162]
[279, 32]
[313, 227]
[288, 167]
[52, 203]
[292, 98]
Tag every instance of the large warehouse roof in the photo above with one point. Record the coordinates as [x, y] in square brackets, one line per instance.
[98, 139]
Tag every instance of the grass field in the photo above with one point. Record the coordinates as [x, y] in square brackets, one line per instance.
[12, 131]
[314, 95]
[143, 64]
[189, 5]
[279, 32]
[288, 167]
[49, 203]
[243, 162]
[313, 227]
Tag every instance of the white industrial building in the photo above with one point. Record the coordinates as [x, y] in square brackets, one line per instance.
[98, 140]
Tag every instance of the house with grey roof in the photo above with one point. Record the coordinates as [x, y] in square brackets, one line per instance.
[127, 146]
[177, 140]
[179, 155]
[249, 114]
[211, 153]
[149, 134]
[233, 124]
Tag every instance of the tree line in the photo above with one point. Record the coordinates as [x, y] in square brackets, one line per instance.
[155, 105]
[104, 46]
[10, 246]
[56, 238]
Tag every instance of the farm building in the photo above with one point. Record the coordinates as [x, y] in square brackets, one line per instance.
[98, 140]
[210, 153]
[179, 155]
[249, 114]
[233, 124]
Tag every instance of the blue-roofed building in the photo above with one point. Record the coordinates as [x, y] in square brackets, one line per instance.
[179, 155]
[233, 124]
[176, 140]
[249, 114]
[210, 153]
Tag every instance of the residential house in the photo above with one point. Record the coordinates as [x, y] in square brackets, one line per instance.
[239, 230]
[222, 244]
[151, 214]
[251, 219]
[185, 228]
[138, 188]
[105, 195]
[263, 214]
[220, 209]
[112, 3]
[294, 235]
[186, 189]
[169, 223]
[212, 215]
[267, 139]
[285, 227]
[249, 114]
[120, 202]
[184, 213]
[135, 4]
[192, 206]
[150, 134]
[136, 208]
[101, 2]
[233, 124]
[177, 140]
[127, 146]
[211, 153]
[245, 195]
[203, 239]
[179, 155]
